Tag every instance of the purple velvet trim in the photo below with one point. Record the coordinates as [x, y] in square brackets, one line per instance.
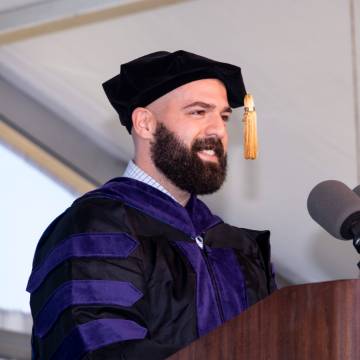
[96, 334]
[84, 292]
[230, 280]
[201, 215]
[273, 275]
[192, 219]
[272, 266]
[208, 316]
[118, 245]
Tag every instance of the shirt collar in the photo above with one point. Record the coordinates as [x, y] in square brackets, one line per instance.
[132, 171]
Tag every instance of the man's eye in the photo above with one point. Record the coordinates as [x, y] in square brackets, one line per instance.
[225, 118]
[198, 112]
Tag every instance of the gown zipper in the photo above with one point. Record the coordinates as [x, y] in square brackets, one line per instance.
[200, 242]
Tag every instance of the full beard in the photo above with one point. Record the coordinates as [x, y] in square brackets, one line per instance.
[183, 167]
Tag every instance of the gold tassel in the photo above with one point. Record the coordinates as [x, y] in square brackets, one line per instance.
[250, 129]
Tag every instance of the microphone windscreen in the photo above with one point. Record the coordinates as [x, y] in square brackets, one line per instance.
[335, 207]
[357, 190]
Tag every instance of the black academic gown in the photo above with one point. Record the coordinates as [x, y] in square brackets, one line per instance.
[121, 275]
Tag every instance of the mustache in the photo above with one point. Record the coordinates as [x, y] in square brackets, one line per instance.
[214, 144]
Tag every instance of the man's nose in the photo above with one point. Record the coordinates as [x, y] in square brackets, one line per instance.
[216, 127]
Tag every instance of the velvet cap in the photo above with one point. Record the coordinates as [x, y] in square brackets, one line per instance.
[143, 80]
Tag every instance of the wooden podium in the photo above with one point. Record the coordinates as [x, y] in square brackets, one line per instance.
[313, 322]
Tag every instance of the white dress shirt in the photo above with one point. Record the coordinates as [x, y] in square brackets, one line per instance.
[134, 172]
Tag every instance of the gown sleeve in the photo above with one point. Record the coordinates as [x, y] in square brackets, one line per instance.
[88, 289]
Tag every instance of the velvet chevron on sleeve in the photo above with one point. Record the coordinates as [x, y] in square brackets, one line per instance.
[119, 275]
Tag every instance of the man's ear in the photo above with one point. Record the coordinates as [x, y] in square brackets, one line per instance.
[144, 123]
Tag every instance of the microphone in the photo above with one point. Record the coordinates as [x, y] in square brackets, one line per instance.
[336, 208]
[357, 190]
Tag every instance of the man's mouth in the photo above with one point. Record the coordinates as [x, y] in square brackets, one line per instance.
[208, 152]
[208, 155]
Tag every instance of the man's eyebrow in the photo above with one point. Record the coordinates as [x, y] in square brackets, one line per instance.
[200, 103]
[206, 106]
[227, 109]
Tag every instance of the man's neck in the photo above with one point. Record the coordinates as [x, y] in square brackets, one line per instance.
[181, 196]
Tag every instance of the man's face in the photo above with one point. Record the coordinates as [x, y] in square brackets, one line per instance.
[190, 141]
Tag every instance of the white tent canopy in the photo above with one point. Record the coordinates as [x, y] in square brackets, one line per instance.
[299, 60]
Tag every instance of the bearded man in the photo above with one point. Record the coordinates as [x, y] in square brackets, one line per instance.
[140, 267]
